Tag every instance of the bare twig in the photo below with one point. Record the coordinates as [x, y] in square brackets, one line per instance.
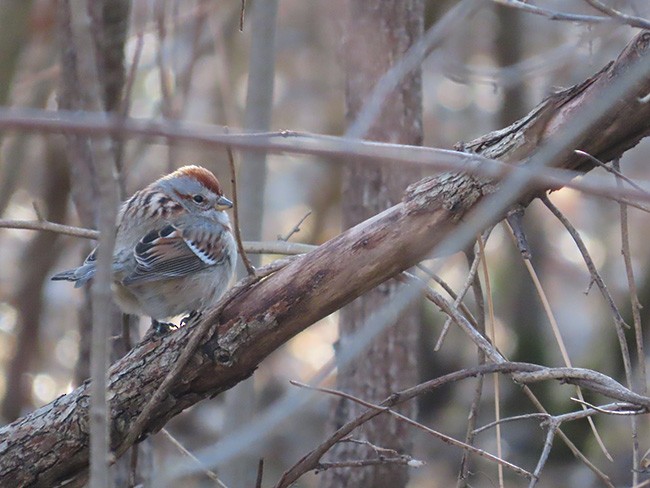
[618, 319]
[497, 357]
[85, 80]
[638, 332]
[613, 171]
[139, 21]
[553, 14]
[516, 418]
[631, 20]
[384, 409]
[165, 89]
[378, 450]
[472, 417]
[445, 286]
[204, 469]
[241, 15]
[523, 371]
[471, 275]
[295, 230]
[45, 225]
[546, 450]
[624, 413]
[260, 469]
[360, 463]
[492, 335]
[235, 213]
[634, 296]
[85, 123]
[558, 338]
[608, 409]
[253, 247]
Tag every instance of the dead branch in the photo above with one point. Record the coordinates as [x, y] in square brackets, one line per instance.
[50, 445]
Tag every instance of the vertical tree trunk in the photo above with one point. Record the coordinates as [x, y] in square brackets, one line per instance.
[378, 33]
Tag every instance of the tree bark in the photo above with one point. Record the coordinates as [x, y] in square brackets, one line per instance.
[378, 33]
[51, 444]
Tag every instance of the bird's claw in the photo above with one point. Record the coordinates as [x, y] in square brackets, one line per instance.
[162, 328]
[192, 317]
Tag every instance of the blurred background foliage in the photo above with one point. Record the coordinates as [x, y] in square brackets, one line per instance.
[194, 67]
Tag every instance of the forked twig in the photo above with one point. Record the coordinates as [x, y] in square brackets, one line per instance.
[235, 213]
[558, 338]
[295, 230]
[378, 409]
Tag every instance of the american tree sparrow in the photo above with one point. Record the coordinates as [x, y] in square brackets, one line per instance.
[174, 250]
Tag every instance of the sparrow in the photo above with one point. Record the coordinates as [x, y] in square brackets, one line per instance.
[174, 250]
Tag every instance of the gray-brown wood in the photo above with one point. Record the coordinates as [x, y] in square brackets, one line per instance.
[51, 444]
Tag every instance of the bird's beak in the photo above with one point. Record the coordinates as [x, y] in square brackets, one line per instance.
[223, 203]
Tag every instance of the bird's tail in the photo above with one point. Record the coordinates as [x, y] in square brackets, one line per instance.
[68, 275]
[80, 275]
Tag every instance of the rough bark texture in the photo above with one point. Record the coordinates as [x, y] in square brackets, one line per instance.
[378, 33]
[51, 444]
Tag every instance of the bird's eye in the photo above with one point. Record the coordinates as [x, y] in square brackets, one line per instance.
[198, 198]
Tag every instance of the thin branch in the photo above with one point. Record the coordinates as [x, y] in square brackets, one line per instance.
[613, 171]
[235, 213]
[412, 59]
[445, 438]
[139, 21]
[242, 12]
[448, 289]
[252, 247]
[546, 450]
[634, 295]
[472, 417]
[260, 469]
[497, 357]
[295, 230]
[45, 225]
[204, 469]
[492, 335]
[619, 323]
[522, 371]
[638, 333]
[553, 14]
[471, 276]
[624, 413]
[558, 338]
[516, 418]
[631, 20]
[163, 77]
[337, 148]
[361, 463]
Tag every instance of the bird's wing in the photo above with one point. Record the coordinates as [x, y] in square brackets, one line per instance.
[174, 251]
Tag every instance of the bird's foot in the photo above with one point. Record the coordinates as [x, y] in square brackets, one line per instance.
[194, 316]
[162, 328]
